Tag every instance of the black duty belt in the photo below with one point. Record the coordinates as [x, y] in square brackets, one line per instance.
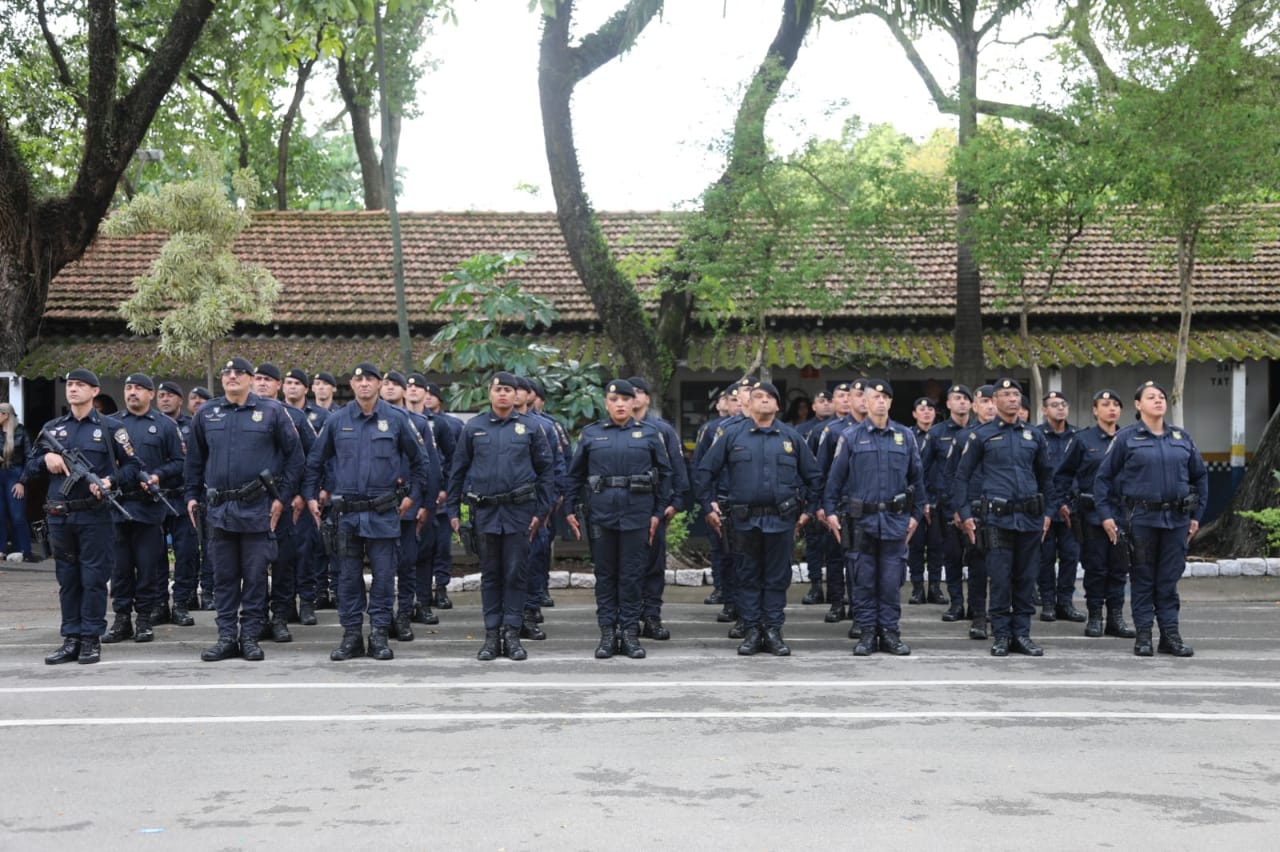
[640, 484]
[61, 508]
[523, 494]
[1086, 503]
[245, 492]
[743, 512]
[1160, 506]
[1000, 507]
[366, 503]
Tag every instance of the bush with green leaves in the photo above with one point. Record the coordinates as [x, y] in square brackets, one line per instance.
[1268, 519]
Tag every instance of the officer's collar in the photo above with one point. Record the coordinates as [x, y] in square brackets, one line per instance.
[767, 430]
[494, 418]
[608, 422]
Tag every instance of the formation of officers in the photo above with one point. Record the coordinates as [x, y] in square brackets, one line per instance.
[275, 508]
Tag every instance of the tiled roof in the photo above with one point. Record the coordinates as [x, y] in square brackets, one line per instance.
[926, 349]
[335, 268]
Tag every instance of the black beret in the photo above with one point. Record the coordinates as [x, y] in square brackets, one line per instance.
[746, 382]
[621, 387]
[367, 368]
[1137, 394]
[769, 388]
[203, 393]
[858, 384]
[1106, 393]
[416, 379]
[878, 385]
[639, 383]
[1054, 395]
[434, 389]
[299, 374]
[82, 375]
[504, 379]
[142, 380]
[822, 395]
[539, 388]
[171, 387]
[924, 400]
[843, 386]
[244, 365]
[987, 391]
[271, 371]
[525, 383]
[1007, 383]
[323, 376]
[961, 389]
[396, 377]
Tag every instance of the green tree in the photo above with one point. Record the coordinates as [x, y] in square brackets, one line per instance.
[197, 289]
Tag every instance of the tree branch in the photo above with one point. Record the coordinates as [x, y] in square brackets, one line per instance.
[612, 38]
[1082, 38]
[55, 53]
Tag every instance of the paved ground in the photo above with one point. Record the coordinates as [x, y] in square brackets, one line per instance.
[693, 748]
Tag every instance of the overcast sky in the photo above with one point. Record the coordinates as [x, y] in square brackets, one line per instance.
[649, 126]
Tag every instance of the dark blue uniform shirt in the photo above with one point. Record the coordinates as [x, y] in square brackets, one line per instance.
[875, 465]
[938, 469]
[1006, 461]
[1074, 474]
[230, 445]
[1151, 468]
[159, 449]
[606, 449]
[675, 454]
[435, 473]
[764, 466]
[495, 456]
[106, 447]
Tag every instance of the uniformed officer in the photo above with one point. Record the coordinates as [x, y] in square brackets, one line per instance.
[435, 536]
[1060, 548]
[504, 462]
[1153, 485]
[307, 541]
[371, 444]
[563, 446]
[198, 397]
[1106, 565]
[186, 543]
[142, 561]
[622, 472]
[874, 480]
[244, 457]
[726, 405]
[934, 451]
[441, 556]
[80, 529]
[924, 549]
[1004, 465]
[984, 411]
[323, 387]
[655, 579]
[772, 489]
[815, 537]
[537, 564]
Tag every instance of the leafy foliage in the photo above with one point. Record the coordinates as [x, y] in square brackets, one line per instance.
[1267, 518]
[496, 325]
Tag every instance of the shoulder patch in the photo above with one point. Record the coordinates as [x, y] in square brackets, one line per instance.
[122, 438]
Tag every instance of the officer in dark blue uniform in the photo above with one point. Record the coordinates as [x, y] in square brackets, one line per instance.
[815, 537]
[874, 481]
[933, 456]
[371, 444]
[563, 448]
[441, 558]
[655, 579]
[1106, 565]
[243, 459]
[81, 535]
[924, 550]
[186, 544]
[773, 487]
[413, 522]
[197, 398]
[537, 564]
[823, 443]
[142, 560]
[1004, 465]
[722, 566]
[983, 411]
[502, 468]
[434, 535]
[622, 472]
[323, 387]
[306, 540]
[1060, 548]
[1153, 485]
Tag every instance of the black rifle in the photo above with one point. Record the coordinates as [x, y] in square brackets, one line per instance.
[155, 493]
[79, 469]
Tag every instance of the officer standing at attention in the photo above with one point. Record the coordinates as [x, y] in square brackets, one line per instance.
[773, 486]
[142, 561]
[623, 464]
[984, 411]
[80, 529]
[722, 576]
[925, 547]
[371, 443]
[432, 532]
[933, 456]
[243, 459]
[537, 564]
[655, 580]
[197, 398]
[731, 560]
[1106, 565]
[307, 541]
[504, 460]
[1153, 485]
[1060, 547]
[823, 442]
[815, 537]
[874, 481]
[186, 544]
[441, 556]
[323, 387]
[1008, 462]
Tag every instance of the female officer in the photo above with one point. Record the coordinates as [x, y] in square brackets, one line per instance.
[1154, 482]
[623, 464]
[13, 505]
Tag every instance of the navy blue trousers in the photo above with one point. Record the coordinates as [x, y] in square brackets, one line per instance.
[1013, 572]
[925, 550]
[84, 554]
[538, 566]
[655, 575]
[353, 601]
[1060, 550]
[306, 543]
[877, 584]
[240, 580]
[764, 577]
[141, 559]
[621, 559]
[1160, 557]
[13, 514]
[186, 558]
[1106, 569]
[284, 581]
[407, 566]
[441, 553]
[502, 578]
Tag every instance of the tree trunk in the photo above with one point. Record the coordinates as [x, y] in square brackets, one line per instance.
[286, 130]
[1230, 534]
[560, 69]
[1186, 270]
[970, 361]
[357, 101]
[1036, 390]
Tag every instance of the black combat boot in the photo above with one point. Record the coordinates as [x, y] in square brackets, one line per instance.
[1093, 628]
[1048, 612]
[280, 630]
[120, 629]
[1000, 646]
[752, 642]
[352, 645]
[956, 610]
[442, 598]
[1068, 612]
[1026, 646]
[422, 613]
[227, 648]
[917, 592]
[143, 632]
[181, 616]
[1116, 625]
[631, 643]
[855, 632]
[378, 647]
[160, 615]
[90, 650]
[728, 615]
[605, 649]
[68, 653]
[738, 630]
[774, 644]
[544, 599]
[323, 601]
[511, 644]
[404, 632]
[835, 614]
[307, 614]
[1142, 643]
[978, 629]
[814, 595]
[534, 613]
[891, 642]
[715, 598]
[867, 643]
[1171, 643]
[653, 629]
[936, 596]
[250, 649]
[491, 648]
[529, 628]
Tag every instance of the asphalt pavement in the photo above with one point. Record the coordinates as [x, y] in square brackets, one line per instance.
[691, 748]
